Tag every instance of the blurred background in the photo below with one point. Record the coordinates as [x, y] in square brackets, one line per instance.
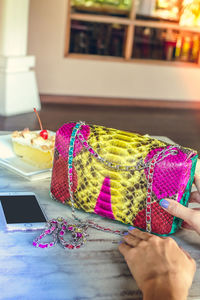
[128, 64]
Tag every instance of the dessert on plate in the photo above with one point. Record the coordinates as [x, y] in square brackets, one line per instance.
[34, 147]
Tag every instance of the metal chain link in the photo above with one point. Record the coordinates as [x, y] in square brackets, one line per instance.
[58, 227]
[171, 150]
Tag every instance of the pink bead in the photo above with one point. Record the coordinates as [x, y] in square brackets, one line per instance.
[79, 235]
[70, 171]
[85, 144]
[148, 218]
[148, 199]
[70, 177]
[51, 244]
[61, 232]
[70, 228]
[91, 151]
[64, 227]
[34, 244]
[47, 231]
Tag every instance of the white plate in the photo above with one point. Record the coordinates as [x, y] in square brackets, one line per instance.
[11, 161]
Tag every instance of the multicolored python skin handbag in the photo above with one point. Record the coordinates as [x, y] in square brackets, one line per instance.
[121, 175]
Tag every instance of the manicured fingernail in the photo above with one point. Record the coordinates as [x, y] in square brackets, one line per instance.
[164, 203]
[131, 228]
[125, 233]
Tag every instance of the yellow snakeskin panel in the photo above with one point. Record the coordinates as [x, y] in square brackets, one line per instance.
[128, 188]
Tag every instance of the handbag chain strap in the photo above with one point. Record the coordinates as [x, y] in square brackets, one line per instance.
[140, 165]
[170, 150]
[58, 227]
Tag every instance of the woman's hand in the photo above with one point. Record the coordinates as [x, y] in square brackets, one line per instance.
[161, 269]
[189, 215]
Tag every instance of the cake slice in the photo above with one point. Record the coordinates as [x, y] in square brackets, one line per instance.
[33, 148]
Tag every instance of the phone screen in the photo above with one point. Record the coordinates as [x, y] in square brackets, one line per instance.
[21, 209]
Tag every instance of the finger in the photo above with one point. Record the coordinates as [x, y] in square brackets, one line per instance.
[187, 226]
[194, 223]
[185, 252]
[197, 182]
[177, 210]
[131, 240]
[124, 249]
[195, 197]
[140, 234]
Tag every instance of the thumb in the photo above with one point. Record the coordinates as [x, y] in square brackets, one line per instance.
[178, 210]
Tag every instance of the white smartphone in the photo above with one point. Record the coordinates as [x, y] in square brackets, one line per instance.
[21, 211]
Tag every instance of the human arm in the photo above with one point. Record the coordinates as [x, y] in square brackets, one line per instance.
[161, 269]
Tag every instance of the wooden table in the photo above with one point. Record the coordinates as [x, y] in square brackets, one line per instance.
[96, 271]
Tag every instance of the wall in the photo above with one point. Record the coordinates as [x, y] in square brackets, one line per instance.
[67, 76]
[13, 27]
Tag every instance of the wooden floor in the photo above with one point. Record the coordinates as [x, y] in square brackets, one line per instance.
[181, 125]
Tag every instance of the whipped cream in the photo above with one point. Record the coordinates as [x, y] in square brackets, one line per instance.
[33, 139]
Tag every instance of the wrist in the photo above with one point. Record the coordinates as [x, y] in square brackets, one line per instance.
[164, 287]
